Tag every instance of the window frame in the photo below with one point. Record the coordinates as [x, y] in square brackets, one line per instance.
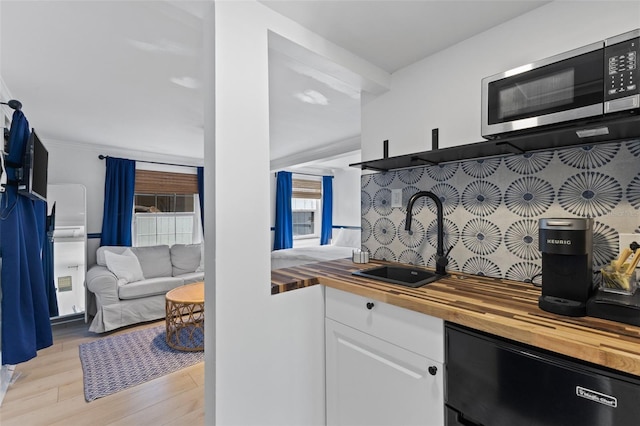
[305, 188]
[168, 181]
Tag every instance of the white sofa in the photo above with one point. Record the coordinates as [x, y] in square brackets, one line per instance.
[119, 297]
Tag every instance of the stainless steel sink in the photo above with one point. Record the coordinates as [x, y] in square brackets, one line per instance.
[402, 275]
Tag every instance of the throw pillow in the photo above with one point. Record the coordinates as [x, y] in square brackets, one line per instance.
[348, 238]
[125, 266]
[200, 267]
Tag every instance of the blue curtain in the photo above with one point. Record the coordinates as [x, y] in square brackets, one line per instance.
[117, 216]
[201, 193]
[284, 217]
[46, 251]
[327, 209]
[47, 259]
[26, 327]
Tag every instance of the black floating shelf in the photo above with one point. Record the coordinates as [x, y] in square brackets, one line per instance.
[621, 128]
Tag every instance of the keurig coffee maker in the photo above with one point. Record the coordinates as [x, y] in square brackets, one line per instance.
[567, 281]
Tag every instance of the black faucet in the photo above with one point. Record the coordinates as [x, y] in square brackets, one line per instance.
[441, 257]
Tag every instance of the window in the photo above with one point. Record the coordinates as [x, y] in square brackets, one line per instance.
[304, 217]
[306, 208]
[166, 209]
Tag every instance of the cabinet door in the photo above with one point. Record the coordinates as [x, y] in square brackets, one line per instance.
[373, 382]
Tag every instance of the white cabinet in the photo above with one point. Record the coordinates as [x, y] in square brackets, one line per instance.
[383, 363]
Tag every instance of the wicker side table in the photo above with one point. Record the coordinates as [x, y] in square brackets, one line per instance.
[185, 317]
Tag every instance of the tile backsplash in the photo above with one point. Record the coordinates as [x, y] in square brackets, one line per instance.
[492, 206]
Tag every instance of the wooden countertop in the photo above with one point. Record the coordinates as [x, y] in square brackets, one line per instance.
[500, 307]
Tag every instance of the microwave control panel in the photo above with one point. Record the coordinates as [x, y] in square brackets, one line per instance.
[621, 69]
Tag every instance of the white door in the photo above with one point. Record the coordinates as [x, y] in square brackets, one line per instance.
[373, 382]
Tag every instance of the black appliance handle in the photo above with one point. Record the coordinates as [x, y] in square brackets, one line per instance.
[558, 223]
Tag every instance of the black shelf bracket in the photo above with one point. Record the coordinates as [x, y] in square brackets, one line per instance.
[518, 149]
[377, 169]
[416, 158]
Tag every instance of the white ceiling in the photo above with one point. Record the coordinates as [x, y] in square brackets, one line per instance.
[129, 73]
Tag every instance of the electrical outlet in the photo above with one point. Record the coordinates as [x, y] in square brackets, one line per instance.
[625, 240]
[396, 198]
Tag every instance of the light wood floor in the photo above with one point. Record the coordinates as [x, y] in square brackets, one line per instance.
[49, 390]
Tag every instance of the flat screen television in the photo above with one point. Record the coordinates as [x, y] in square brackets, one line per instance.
[35, 169]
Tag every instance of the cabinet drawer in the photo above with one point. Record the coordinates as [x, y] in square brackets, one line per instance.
[419, 333]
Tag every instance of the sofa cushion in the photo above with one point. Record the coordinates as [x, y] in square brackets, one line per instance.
[125, 266]
[149, 287]
[154, 260]
[185, 258]
[192, 277]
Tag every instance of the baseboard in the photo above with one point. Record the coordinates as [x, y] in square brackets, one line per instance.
[67, 318]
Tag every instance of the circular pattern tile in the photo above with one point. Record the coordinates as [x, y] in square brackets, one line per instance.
[481, 236]
[521, 239]
[633, 192]
[449, 197]
[384, 178]
[481, 198]
[407, 192]
[529, 196]
[384, 231]
[382, 202]
[481, 168]
[588, 157]
[605, 245]
[634, 147]
[365, 202]
[414, 237]
[411, 257]
[529, 163]
[450, 237]
[384, 253]
[410, 176]
[590, 194]
[442, 172]
[366, 230]
[481, 266]
[526, 272]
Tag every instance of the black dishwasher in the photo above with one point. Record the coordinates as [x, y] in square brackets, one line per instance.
[492, 381]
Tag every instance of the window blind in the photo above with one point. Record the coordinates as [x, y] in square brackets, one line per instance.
[155, 182]
[310, 189]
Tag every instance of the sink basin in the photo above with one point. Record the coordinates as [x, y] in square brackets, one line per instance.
[402, 275]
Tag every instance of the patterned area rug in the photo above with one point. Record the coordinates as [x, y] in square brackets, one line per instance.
[115, 363]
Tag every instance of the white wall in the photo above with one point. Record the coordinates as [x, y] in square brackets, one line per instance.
[346, 197]
[269, 349]
[443, 90]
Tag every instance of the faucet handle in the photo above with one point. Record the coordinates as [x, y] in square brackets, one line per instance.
[443, 261]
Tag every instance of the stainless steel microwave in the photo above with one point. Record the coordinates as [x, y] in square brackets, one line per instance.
[595, 80]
